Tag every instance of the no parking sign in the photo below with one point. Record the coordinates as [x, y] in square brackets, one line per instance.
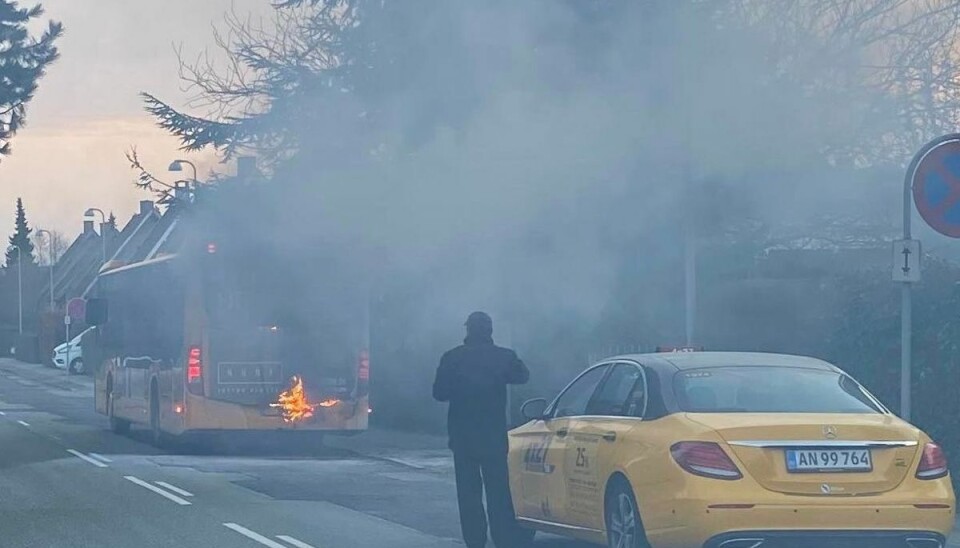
[936, 185]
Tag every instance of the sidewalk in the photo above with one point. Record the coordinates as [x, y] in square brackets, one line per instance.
[33, 374]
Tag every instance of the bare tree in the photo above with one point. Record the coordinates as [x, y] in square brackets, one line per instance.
[890, 63]
[880, 74]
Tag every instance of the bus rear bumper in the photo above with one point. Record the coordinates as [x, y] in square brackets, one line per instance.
[204, 414]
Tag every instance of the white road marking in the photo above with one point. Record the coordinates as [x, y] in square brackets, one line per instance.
[253, 535]
[403, 462]
[174, 488]
[24, 423]
[294, 542]
[3, 414]
[98, 456]
[92, 461]
[157, 490]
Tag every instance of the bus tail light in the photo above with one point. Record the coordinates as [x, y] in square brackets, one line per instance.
[195, 370]
[363, 374]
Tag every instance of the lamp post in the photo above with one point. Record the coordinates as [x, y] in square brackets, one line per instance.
[19, 287]
[50, 259]
[177, 166]
[103, 237]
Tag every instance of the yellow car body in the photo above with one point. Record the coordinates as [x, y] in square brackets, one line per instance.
[568, 463]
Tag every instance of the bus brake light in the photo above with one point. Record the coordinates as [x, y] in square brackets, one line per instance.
[194, 365]
[364, 366]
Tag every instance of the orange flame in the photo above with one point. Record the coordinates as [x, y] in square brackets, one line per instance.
[293, 403]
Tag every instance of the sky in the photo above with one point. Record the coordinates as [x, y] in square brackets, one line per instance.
[87, 112]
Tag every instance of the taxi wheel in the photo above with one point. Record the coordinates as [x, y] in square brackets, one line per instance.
[622, 516]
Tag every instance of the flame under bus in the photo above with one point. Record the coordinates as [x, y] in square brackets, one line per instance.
[194, 345]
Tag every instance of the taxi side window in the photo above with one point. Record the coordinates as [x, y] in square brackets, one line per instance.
[573, 401]
[622, 394]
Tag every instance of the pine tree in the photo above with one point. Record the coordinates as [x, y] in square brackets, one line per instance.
[23, 61]
[21, 238]
[112, 221]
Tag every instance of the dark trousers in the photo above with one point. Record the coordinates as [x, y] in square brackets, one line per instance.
[474, 474]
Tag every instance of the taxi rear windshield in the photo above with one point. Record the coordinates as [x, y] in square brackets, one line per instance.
[742, 389]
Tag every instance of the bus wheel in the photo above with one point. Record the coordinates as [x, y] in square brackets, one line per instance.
[118, 426]
[157, 437]
[525, 536]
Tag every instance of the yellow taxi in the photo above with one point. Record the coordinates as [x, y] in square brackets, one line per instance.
[726, 450]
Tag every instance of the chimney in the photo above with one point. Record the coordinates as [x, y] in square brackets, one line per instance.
[146, 207]
[88, 227]
[182, 191]
[247, 167]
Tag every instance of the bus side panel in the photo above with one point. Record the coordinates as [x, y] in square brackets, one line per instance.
[145, 340]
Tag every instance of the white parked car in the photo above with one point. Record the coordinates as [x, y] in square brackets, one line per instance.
[75, 355]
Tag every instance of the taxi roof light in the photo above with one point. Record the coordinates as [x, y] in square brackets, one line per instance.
[706, 459]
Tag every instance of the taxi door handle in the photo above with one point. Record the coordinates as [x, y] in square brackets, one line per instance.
[562, 433]
[610, 436]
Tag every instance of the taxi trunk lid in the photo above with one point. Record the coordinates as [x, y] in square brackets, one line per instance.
[760, 442]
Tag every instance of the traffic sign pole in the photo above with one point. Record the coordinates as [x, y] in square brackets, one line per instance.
[933, 182]
[906, 306]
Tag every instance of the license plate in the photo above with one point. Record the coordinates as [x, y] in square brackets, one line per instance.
[829, 460]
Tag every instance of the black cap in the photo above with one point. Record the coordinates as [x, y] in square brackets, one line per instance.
[479, 319]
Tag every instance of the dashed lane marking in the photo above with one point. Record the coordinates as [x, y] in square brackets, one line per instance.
[91, 460]
[294, 542]
[174, 488]
[24, 423]
[252, 535]
[157, 490]
[98, 456]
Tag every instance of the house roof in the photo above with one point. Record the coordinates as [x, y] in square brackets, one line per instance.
[76, 271]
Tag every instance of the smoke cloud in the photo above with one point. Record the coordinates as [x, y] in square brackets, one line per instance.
[541, 160]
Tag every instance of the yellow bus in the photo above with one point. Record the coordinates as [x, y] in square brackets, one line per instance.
[193, 343]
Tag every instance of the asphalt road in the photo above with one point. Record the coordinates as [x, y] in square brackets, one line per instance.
[66, 480]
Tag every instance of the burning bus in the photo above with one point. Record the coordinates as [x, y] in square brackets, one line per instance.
[231, 335]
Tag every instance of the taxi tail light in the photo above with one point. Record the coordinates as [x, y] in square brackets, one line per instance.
[195, 371]
[705, 459]
[933, 463]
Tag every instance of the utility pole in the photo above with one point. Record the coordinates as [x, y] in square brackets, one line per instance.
[19, 286]
[103, 233]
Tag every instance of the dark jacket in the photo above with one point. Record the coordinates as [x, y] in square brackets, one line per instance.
[473, 377]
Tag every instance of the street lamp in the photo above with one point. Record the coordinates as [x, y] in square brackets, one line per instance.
[103, 237]
[19, 286]
[177, 166]
[49, 258]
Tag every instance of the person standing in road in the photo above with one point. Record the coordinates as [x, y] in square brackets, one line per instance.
[473, 377]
